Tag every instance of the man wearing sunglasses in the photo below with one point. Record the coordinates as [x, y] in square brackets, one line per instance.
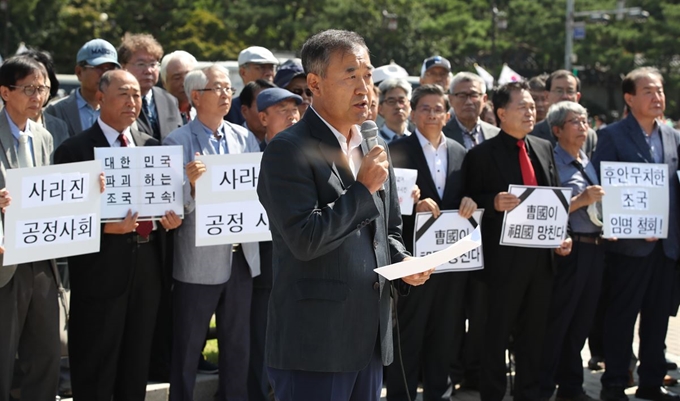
[80, 109]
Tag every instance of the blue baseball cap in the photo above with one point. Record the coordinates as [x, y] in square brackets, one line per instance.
[435, 61]
[272, 96]
[97, 52]
[287, 73]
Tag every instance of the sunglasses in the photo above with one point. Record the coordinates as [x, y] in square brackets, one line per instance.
[299, 92]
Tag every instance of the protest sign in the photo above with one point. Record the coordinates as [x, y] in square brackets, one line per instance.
[406, 181]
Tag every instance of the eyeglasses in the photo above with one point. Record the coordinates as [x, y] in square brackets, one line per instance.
[464, 96]
[300, 91]
[428, 110]
[393, 101]
[102, 68]
[578, 121]
[218, 90]
[562, 92]
[29, 90]
[143, 66]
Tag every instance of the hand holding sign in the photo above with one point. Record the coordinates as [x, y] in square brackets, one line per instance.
[467, 207]
[170, 221]
[128, 225]
[564, 248]
[428, 205]
[505, 201]
[5, 199]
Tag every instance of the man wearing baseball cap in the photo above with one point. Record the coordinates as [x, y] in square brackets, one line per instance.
[254, 62]
[436, 70]
[291, 76]
[278, 110]
[81, 109]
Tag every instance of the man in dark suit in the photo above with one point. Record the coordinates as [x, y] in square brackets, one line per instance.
[640, 273]
[395, 108]
[468, 96]
[329, 327]
[518, 279]
[140, 54]
[29, 310]
[563, 85]
[115, 293]
[431, 317]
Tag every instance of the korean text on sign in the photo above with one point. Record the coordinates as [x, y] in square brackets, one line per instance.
[147, 180]
[540, 220]
[636, 200]
[433, 235]
[55, 212]
[406, 181]
[227, 206]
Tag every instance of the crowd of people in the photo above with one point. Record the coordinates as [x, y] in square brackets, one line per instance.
[305, 317]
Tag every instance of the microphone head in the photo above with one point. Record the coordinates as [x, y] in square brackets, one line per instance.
[369, 129]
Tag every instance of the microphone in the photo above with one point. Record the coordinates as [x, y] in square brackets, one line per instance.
[369, 131]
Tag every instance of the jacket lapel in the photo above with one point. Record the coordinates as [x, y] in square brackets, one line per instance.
[634, 132]
[330, 148]
[543, 159]
[73, 114]
[202, 138]
[97, 137]
[450, 164]
[502, 158]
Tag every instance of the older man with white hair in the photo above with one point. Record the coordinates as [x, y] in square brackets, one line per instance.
[174, 68]
[210, 279]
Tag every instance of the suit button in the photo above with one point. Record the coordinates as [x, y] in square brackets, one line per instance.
[375, 244]
[376, 286]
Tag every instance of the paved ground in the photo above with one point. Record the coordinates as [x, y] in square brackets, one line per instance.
[592, 379]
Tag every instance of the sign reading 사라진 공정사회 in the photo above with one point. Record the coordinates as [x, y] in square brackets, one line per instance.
[540, 220]
[636, 200]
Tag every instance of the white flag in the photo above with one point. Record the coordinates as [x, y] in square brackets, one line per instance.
[508, 75]
[21, 49]
[488, 78]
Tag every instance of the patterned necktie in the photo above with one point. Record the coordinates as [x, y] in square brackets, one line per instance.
[24, 151]
[144, 228]
[146, 107]
[528, 174]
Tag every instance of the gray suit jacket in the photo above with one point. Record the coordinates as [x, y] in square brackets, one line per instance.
[543, 130]
[623, 141]
[327, 307]
[42, 149]
[67, 110]
[167, 110]
[57, 128]
[453, 131]
[212, 264]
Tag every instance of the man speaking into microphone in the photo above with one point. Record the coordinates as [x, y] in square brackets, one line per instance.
[334, 216]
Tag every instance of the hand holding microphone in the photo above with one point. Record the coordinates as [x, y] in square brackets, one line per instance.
[374, 166]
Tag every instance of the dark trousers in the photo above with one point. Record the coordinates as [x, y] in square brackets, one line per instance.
[431, 324]
[193, 306]
[517, 304]
[637, 285]
[575, 293]
[296, 385]
[110, 339]
[258, 380]
[29, 325]
[467, 357]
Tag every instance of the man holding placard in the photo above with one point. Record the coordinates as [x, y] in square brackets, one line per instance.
[640, 271]
[209, 280]
[31, 332]
[432, 316]
[518, 278]
[115, 293]
[579, 274]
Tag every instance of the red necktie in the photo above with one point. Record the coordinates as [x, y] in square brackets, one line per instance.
[145, 227]
[528, 175]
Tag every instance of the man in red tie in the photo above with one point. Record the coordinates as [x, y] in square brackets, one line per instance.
[115, 293]
[518, 279]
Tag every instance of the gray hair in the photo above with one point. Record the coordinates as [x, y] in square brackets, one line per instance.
[467, 77]
[558, 112]
[316, 51]
[198, 79]
[180, 55]
[394, 83]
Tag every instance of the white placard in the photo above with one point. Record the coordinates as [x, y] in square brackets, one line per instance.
[540, 220]
[45, 229]
[228, 209]
[419, 265]
[146, 180]
[406, 181]
[636, 200]
[432, 235]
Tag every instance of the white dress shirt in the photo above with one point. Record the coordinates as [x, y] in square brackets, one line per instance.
[437, 160]
[112, 135]
[351, 149]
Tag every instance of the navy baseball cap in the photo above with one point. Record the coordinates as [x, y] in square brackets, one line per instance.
[435, 61]
[272, 96]
[97, 52]
[287, 73]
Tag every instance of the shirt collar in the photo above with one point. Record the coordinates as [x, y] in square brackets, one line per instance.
[475, 129]
[111, 134]
[354, 141]
[15, 129]
[393, 134]
[81, 102]
[149, 96]
[424, 141]
[210, 133]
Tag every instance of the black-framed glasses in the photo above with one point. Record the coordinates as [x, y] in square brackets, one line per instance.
[464, 96]
[300, 91]
[218, 90]
[29, 90]
[393, 101]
